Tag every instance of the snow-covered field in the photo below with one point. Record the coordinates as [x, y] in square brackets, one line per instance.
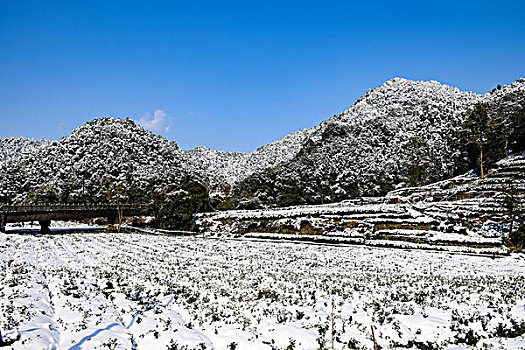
[129, 290]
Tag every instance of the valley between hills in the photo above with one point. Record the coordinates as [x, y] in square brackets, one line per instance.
[397, 224]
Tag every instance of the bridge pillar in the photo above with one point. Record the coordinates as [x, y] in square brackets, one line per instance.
[111, 220]
[3, 221]
[44, 226]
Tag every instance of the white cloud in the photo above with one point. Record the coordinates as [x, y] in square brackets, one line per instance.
[158, 123]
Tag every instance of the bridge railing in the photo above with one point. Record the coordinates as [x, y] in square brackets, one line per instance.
[66, 207]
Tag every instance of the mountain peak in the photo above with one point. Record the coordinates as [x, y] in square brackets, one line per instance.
[368, 149]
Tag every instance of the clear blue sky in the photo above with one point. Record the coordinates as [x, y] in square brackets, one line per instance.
[237, 75]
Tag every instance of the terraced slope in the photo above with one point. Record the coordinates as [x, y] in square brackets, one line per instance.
[464, 213]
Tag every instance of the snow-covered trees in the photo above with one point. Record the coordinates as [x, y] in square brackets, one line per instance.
[100, 161]
[13, 148]
[176, 205]
[480, 129]
[403, 133]
[492, 129]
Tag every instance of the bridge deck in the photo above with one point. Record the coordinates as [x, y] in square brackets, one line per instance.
[45, 213]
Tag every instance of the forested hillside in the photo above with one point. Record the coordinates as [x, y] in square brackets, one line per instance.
[106, 160]
[403, 133]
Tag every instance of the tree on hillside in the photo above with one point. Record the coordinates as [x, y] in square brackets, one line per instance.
[179, 202]
[228, 203]
[42, 195]
[418, 161]
[511, 110]
[518, 237]
[517, 129]
[116, 195]
[485, 131]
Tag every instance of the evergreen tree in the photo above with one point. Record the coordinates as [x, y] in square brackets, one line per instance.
[418, 163]
[486, 132]
[517, 238]
[177, 206]
[517, 129]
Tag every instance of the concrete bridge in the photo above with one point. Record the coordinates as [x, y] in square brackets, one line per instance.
[45, 213]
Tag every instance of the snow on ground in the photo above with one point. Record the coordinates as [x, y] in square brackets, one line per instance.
[129, 290]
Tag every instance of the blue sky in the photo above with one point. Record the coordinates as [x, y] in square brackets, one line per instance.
[237, 75]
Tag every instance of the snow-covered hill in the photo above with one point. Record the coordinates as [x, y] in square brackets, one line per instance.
[226, 169]
[401, 133]
[103, 160]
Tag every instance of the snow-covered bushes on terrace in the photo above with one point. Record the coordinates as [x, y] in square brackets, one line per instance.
[462, 211]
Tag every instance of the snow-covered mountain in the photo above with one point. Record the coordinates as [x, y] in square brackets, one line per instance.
[224, 170]
[401, 133]
[369, 149]
[100, 161]
[398, 133]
